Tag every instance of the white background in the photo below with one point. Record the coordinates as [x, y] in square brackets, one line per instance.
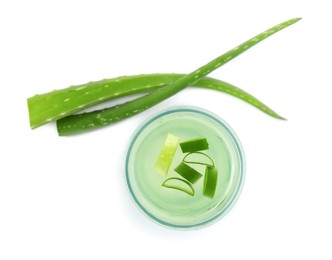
[66, 198]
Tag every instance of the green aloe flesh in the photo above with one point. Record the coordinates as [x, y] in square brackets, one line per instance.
[75, 124]
[166, 155]
[179, 184]
[190, 176]
[210, 181]
[51, 106]
[194, 145]
[187, 172]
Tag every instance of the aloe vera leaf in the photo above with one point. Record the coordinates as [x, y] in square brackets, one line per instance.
[51, 106]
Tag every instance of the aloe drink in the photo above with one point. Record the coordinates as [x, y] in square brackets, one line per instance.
[171, 206]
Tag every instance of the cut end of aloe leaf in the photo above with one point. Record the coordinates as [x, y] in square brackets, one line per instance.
[33, 113]
[179, 184]
[166, 155]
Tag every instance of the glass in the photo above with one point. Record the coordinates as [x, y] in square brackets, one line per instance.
[171, 207]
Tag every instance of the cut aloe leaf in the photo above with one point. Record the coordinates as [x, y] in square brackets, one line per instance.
[187, 172]
[210, 181]
[187, 159]
[194, 145]
[179, 184]
[166, 155]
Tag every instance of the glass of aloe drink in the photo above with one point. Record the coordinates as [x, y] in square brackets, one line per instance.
[185, 168]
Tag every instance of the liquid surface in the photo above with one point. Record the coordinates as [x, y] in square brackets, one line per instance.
[172, 207]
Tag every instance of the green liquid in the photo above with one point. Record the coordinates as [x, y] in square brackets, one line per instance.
[170, 206]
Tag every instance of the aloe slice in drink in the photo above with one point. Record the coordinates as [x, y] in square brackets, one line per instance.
[166, 155]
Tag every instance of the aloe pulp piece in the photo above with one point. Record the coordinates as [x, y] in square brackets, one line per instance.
[166, 155]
